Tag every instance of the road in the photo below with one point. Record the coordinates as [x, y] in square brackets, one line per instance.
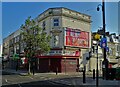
[14, 80]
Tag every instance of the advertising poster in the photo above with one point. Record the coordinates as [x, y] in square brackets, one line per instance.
[76, 38]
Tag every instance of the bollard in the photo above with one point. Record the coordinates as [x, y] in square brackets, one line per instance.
[93, 73]
[33, 71]
[56, 70]
[84, 78]
[17, 66]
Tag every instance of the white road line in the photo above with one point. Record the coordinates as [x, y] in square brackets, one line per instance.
[45, 79]
[42, 77]
[61, 80]
[19, 85]
[6, 80]
[49, 78]
[31, 77]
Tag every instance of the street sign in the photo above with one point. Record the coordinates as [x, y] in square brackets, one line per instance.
[84, 58]
[16, 56]
[103, 43]
[107, 49]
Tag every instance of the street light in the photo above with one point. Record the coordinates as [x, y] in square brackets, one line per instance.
[105, 60]
[97, 37]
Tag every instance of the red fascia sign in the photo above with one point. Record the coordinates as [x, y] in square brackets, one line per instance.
[76, 38]
[72, 53]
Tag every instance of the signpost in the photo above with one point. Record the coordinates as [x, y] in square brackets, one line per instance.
[85, 59]
[103, 43]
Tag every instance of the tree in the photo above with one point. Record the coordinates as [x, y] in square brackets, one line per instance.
[35, 39]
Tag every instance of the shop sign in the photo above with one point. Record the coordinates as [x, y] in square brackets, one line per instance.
[73, 63]
[72, 53]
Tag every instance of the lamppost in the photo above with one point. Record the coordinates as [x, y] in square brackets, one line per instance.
[105, 60]
[97, 37]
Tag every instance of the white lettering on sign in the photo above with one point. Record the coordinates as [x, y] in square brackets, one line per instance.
[103, 66]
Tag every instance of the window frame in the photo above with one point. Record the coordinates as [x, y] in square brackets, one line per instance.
[56, 22]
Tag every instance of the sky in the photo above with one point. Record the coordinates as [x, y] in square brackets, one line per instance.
[0, 23]
[15, 13]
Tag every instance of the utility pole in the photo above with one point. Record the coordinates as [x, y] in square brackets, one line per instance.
[105, 60]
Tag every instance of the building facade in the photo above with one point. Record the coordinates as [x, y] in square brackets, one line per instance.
[70, 38]
[1, 50]
[114, 50]
[112, 54]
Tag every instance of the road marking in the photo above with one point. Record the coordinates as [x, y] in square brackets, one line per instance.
[45, 79]
[61, 80]
[42, 77]
[73, 82]
[6, 80]
[31, 77]
[49, 78]
[19, 85]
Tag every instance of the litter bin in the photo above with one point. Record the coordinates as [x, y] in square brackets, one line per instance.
[117, 73]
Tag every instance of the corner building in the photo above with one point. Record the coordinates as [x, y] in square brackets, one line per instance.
[71, 38]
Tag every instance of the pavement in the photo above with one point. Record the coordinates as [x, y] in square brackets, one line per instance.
[73, 79]
[25, 72]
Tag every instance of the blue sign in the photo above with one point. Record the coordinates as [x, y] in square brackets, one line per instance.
[103, 43]
[107, 49]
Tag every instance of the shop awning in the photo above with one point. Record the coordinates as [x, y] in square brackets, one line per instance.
[56, 56]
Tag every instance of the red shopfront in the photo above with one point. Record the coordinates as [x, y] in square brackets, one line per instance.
[58, 63]
[68, 60]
